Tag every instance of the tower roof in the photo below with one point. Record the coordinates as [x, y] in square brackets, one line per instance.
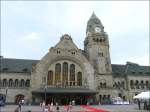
[93, 16]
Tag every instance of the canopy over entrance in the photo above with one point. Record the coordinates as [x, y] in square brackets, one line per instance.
[65, 90]
[64, 95]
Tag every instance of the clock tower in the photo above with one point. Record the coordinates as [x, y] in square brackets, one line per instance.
[96, 46]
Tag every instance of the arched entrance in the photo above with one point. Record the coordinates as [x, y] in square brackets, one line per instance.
[18, 98]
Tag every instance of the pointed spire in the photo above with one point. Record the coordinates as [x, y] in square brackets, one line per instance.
[93, 16]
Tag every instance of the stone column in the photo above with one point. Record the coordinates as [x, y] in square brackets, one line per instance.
[76, 78]
[61, 74]
[68, 74]
[54, 77]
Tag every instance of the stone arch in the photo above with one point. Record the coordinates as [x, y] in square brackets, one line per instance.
[18, 98]
[82, 62]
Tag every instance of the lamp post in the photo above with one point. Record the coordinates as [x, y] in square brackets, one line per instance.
[45, 91]
[6, 93]
[126, 77]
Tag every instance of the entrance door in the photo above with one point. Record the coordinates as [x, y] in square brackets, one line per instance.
[64, 101]
[78, 101]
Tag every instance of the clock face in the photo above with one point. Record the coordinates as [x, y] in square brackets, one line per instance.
[97, 29]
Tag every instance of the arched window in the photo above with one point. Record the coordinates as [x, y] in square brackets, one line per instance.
[57, 72]
[50, 78]
[4, 82]
[1, 83]
[22, 83]
[16, 83]
[79, 79]
[72, 73]
[104, 85]
[123, 85]
[137, 84]
[131, 82]
[147, 84]
[119, 85]
[142, 84]
[101, 85]
[10, 83]
[65, 72]
[27, 83]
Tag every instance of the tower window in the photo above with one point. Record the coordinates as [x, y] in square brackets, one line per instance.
[100, 54]
[58, 52]
[73, 53]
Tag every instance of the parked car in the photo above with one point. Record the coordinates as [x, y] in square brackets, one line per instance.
[2, 103]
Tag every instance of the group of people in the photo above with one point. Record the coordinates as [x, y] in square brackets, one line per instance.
[49, 108]
[20, 103]
[145, 103]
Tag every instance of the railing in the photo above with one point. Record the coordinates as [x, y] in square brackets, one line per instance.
[60, 86]
[14, 87]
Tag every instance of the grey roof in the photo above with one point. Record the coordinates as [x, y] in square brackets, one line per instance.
[16, 65]
[65, 90]
[130, 69]
[25, 65]
[93, 16]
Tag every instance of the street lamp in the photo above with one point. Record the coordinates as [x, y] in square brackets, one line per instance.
[45, 91]
[6, 92]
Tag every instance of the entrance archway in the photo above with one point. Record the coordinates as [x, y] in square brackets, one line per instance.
[18, 98]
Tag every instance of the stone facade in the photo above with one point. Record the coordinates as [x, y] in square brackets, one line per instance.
[20, 78]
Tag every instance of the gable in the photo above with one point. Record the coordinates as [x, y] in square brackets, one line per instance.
[66, 42]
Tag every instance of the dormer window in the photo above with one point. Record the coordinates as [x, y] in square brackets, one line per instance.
[25, 70]
[5, 69]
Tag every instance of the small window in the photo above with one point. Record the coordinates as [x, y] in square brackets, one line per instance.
[100, 54]
[5, 69]
[73, 53]
[25, 69]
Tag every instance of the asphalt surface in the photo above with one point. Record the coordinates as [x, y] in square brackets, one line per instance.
[110, 108]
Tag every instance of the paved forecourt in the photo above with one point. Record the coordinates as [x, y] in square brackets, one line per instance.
[93, 108]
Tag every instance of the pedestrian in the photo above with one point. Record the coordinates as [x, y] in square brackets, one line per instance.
[57, 107]
[51, 107]
[139, 104]
[19, 105]
[69, 107]
[73, 103]
[43, 106]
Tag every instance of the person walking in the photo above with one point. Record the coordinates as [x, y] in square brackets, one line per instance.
[139, 104]
[19, 105]
[43, 106]
[57, 107]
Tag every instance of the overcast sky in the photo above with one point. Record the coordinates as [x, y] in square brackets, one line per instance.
[29, 29]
